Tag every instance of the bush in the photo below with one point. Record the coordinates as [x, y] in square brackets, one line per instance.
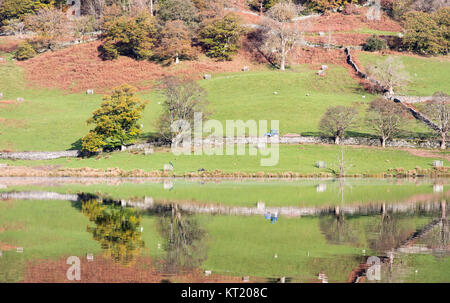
[128, 36]
[25, 51]
[374, 43]
[16, 9]
[183, 10]
[325, 5]
[115, 121]
[424, 35]
[220, 39]
[351, 9]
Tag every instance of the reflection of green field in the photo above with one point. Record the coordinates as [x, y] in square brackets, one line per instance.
[51, 230]
[236, 245]
[430, 269]
[45, 229]
[248, 193]
[247, 246]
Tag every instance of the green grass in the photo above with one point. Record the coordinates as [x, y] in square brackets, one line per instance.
[295, 158]
[428, 75]
[50, 119]
[250, 96]
[376, 32]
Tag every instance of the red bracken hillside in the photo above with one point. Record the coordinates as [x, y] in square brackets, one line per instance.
[79, 68]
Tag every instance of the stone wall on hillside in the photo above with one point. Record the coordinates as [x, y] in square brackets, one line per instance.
[258, 142]
[39, 155]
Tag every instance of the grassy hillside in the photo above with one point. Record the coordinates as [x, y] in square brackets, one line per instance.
[53, 120]
[428, 75]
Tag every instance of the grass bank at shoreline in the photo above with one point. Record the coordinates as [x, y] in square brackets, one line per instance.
[295, 161]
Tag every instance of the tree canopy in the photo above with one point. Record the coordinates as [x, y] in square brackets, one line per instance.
[115, 121]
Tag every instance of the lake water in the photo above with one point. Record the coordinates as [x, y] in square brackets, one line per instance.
[176, 230]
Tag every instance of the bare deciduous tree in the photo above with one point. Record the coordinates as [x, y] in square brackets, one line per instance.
[438, 110]
[391, 73]
[50, 24]
[175, 42]
[93, 7]
[283, 33]
[429, 5]
[15, 27]
[337, 120]
[385, 118]
[182, 100]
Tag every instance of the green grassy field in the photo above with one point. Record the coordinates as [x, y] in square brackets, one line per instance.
[294, 158]
[54, 120]
[428, 75]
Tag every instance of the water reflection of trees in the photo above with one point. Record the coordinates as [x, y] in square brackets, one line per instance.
[338, 230]
[386, 232]
[184, 244]
[116, 228]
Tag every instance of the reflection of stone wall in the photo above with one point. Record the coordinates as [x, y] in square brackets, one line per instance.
[433, 205]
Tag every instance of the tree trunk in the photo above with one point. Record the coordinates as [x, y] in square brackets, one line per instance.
[337, 140]
[443, 143]
[177, 60]
[391, 91]
[151, 7]
[283, 61]
[383, 142]
[283, 55]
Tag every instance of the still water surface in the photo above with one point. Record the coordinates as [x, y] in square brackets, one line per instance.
[149, 230]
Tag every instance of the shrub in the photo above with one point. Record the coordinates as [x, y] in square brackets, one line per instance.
[374, 43]
[115, 121]
[25, 51]
[220, 39]
[424, 35]
[350, 9]
[325, 5]
[183, 10]
[128, 36]
[16, 9]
